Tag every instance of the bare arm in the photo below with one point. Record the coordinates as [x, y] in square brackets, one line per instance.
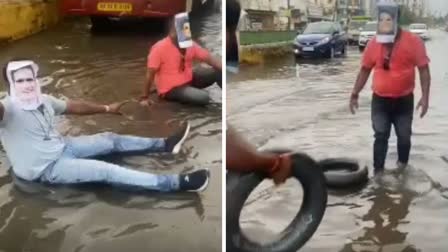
[84, 108]
[90, 108]
[214, 62]
[150, 75]
[425, 81]
[243, 157]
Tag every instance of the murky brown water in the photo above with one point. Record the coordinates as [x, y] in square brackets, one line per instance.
[106, 68]
[401, 212]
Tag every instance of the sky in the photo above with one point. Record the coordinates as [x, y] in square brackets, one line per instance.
[438, 5]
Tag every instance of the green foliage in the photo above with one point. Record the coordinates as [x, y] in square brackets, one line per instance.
[263, 37]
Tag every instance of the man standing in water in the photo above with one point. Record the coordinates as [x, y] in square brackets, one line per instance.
[242, 156]
[171, 68]
[394, 66]
[39, 153]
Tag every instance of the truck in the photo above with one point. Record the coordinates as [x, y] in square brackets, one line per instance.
[102, 11]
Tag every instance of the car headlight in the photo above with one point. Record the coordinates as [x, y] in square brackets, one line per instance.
[325, 40]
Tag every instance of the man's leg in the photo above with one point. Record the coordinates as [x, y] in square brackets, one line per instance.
[205, 77]
[381, 125]
[68, 170]
[402, 120]
[189, 95]
[108, 142]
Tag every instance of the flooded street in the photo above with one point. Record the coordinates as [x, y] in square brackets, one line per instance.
[305, 108]
[107, 68]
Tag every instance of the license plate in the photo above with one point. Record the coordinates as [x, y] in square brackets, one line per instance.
[121, 7]
[308, 49]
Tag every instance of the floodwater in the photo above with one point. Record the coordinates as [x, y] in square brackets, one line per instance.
[106, 68]
[304, 107]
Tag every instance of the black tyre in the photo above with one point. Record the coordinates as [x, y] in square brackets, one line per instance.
[305, 223]
[343, 173]
[330, 54]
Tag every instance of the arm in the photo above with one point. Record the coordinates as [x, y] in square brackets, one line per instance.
[213, 62]
[203, 55]
[150, 75]
[243, 157]
[90, 108]
[84, 108]
[422, 63]
[425, 81]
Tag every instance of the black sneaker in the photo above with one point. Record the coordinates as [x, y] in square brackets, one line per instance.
[195, 181]
[174, 142]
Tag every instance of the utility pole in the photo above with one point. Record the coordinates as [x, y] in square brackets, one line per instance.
[288, 2]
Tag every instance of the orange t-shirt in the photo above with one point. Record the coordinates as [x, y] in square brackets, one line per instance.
[166, 59]
[409, 52]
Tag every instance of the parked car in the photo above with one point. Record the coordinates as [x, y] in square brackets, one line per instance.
[101, 11]
[321, 39]
[354, 28]
[421, 30]
[354, 31]
[368, 32]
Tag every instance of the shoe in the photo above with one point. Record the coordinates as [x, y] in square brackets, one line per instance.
[174, 143]
[195, 181]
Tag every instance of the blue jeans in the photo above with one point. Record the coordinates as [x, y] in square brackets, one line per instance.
[75, 167]
[385, 113]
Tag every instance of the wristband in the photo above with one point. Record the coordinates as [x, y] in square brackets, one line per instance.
[107, 108]
[354, 95]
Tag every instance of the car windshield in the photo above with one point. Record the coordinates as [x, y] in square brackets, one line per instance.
[370, 27]
[417, 27]
[355, 25]
[318, 28]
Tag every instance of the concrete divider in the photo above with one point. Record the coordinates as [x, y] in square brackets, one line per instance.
[21, 18]
[256, 54]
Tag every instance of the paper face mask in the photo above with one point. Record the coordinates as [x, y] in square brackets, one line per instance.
[387, 22]
[24, 86]
[183, 30]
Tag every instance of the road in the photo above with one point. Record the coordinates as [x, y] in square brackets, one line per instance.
[304, 107]
[106, 68]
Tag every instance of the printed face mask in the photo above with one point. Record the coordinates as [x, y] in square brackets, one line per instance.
[183, 31]
[387, 22]
[24, 86]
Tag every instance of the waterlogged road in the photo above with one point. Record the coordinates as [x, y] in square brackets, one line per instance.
[106, 68]
[305, 107]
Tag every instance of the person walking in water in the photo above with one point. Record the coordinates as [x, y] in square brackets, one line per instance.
[393, 65]
[39, 153]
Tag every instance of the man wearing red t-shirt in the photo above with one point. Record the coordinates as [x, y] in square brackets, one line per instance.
[171, 68]
[393, 86]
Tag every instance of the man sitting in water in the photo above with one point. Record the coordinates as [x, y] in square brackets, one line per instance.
[171, 68]
[39, 153]
[241, 155]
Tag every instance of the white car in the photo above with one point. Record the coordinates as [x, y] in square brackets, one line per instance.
[421, 30]
[367, 34]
